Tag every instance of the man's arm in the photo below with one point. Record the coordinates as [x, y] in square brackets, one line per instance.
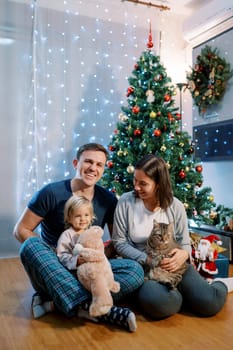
[26, 224]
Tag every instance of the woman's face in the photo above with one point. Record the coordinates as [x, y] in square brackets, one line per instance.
[144, 185]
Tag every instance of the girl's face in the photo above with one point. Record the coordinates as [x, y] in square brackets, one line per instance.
[81, 218]
[144, 185]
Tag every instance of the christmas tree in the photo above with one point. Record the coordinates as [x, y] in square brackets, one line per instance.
[151, 123]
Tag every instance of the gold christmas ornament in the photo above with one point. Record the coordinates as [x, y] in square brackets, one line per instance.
[130, 169]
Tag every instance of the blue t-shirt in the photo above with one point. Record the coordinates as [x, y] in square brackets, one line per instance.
[49, 203]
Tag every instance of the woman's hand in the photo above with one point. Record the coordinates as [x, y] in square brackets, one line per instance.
[175, 261]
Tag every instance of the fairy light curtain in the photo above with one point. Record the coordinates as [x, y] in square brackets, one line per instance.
[77, 71]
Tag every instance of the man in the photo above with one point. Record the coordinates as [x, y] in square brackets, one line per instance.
[46, 208]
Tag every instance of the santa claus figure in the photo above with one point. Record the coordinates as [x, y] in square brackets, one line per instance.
[205, 256]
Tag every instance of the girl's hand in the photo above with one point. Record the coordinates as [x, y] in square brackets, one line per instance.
[175, 261]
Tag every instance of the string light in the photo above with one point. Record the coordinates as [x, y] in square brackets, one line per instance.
[80, 69]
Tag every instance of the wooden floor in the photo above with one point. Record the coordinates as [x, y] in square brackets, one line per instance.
[19, 331]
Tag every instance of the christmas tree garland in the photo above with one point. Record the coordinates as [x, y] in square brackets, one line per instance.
[208, 79]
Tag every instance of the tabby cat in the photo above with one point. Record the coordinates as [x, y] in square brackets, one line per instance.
[159, 245]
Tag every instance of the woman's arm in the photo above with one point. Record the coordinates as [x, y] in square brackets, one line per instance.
[121, 231]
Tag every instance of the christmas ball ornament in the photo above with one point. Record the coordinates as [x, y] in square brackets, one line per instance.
[167, 98]
[136, 109]
[182, 174]
[211, 198]
[125, 153]
[111, 148]
[110, 164]
[137, 132]
[157, 132]
[170, 117]
[120, 153]
[153, 115]
[130, 91]
[130, 169]
[186, 206]
[199, 168]
[113, 190]
[178, 116]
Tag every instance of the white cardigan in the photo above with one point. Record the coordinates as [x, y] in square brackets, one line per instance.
[123, 227]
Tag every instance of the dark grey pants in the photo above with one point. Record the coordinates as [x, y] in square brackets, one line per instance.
[194, 294]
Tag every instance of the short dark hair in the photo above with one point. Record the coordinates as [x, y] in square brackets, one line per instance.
[156, 168]
[91, 147]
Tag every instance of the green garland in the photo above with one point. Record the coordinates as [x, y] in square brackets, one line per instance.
[208, 79]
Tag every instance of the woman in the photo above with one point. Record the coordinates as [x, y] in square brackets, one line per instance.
[152, 198]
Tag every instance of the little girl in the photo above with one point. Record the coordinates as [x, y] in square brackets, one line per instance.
[79, 216]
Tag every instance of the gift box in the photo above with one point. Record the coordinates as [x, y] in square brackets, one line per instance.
[223, 266]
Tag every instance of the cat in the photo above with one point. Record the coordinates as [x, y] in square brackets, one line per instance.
[159, 245]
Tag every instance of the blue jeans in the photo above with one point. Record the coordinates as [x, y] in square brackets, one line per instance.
[194, 293]
[54, 282]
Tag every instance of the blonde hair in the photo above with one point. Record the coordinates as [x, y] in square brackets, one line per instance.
[74, 203]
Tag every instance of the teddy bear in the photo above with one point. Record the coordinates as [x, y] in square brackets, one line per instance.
[95, 273]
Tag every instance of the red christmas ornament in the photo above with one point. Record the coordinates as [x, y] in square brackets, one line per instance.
[137, 132]
[115, 131]
[111, 148]
[199, 168]
[113, 190]
[110, 164]
[157, 132]
[136, 109]
[178, 116]
[130, 91]
[136, 66]
[167, 98]
[170, 117]
[150, 41]
[182, 174]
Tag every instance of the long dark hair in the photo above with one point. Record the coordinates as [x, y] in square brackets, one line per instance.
[156, 169]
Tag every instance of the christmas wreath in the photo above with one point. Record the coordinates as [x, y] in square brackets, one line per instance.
[208, 79]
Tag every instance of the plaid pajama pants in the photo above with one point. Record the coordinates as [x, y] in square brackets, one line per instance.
[53, 281]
